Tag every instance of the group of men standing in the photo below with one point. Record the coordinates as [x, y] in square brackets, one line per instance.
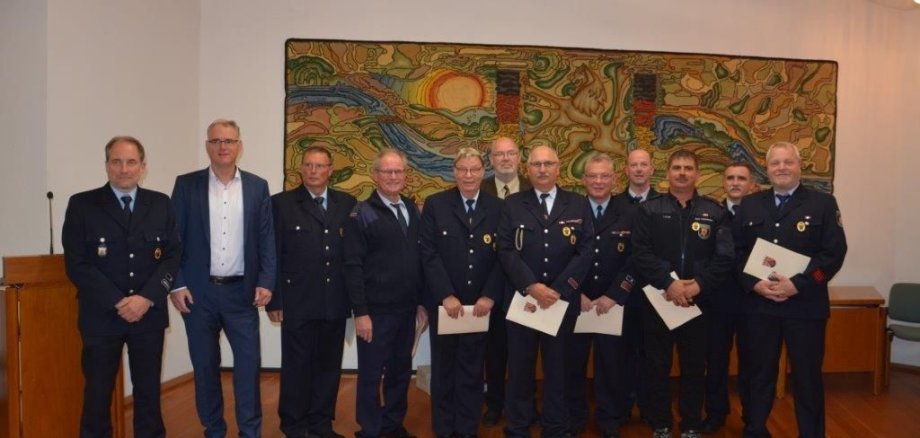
[313, 256]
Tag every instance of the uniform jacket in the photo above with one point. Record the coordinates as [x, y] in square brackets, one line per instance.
[459, 257]
[556, 251]
[610, 272]
[727, 298]
[383, 272]
[109, 259]
[809, 225]
[695, 242]
[310, 245]
[190, 198]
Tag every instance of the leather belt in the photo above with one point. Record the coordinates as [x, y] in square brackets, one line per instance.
[220, 281]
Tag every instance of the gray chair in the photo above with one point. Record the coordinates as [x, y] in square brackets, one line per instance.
[903, 306]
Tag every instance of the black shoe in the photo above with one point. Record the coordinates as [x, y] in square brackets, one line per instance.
[491, 417]
[400, 433]
[330, 434]
[712, 425]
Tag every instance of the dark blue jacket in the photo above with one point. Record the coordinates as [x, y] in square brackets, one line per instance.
[310, 245]
[459, 257]
[809, 225]
[109, 259]
[383, 272]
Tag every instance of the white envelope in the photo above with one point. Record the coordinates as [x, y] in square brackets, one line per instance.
[466, 323]
[350, 331]
[768, 257]
[545, 320]
[672, 315]
[610, 323]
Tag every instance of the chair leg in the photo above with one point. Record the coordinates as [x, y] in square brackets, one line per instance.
[890, 338]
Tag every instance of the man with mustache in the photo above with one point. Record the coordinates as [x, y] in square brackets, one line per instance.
[724, 317]
[686, 234]
[544, 242]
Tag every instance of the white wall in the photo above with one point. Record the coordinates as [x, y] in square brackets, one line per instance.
[163, 70]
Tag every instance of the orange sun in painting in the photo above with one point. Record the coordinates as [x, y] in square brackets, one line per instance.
[454, 91]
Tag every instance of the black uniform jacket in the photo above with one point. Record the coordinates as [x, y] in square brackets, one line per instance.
[693, 242]
[809, 225]
[460, 257]
[108, 259]
[727, 298]
[556, 251]
[310, 245]
[383, 271]
[610, 273]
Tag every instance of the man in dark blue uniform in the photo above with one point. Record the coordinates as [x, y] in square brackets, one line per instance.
[121, 250]
[607, 284]
[545, 242]
[793, 309]
[639, 171]
[461, 268]
[724, 319]
[310, 300]
[383, 276]
[687, 235]
[505, 157]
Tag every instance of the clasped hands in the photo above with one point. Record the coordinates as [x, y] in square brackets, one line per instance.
[682, 292]
[777, 288]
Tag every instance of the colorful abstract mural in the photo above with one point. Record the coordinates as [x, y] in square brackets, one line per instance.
[430, 99]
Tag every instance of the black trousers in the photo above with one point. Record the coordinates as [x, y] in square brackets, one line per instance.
[311, 366]
[632, 379]
[387, 358]
[804, 340]
[100, 359]
[523, 345]
[496, 360]
[456, 380]
[690, 339]
[609, 358]
[725, 330]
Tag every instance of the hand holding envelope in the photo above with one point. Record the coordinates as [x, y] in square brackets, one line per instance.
[527, 311]
[774, 265]
[672, 314]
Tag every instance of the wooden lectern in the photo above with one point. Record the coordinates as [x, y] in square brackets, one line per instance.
[41, 382]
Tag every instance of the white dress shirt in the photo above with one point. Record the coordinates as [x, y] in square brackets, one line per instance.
[225, 210]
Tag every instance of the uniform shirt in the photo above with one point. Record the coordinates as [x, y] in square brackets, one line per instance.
[225, 213]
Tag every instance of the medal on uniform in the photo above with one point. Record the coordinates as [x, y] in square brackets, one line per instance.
[695, 226]
[703, 231]
[487, 239]
[157, 253]
[566, 231]
[621, 247]
[519, 238]
[801, 226]
[102, 250]
[572, 239]
[341, 232]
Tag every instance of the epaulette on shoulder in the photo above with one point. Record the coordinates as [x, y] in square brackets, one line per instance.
[356, 210]
[364, 212]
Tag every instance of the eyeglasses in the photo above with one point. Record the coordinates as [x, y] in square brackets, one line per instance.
[543, 164]
[391, 172]
[600, 176]
[468, 170]
[506, 154]
[314, 166]
[220, 141]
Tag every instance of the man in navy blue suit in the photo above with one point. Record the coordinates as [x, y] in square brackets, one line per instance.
[461, 268]
[545, 239]
[224, 216]
[310, 301]
[791, 310]
[383, 276]
[121, 250]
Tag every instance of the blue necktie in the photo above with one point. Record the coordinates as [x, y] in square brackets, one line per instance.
[783, 200]
[543, 204]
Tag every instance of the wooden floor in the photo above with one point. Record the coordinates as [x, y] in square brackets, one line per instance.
[852, 410]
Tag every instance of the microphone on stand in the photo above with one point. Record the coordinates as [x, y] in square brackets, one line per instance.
[50, 196]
